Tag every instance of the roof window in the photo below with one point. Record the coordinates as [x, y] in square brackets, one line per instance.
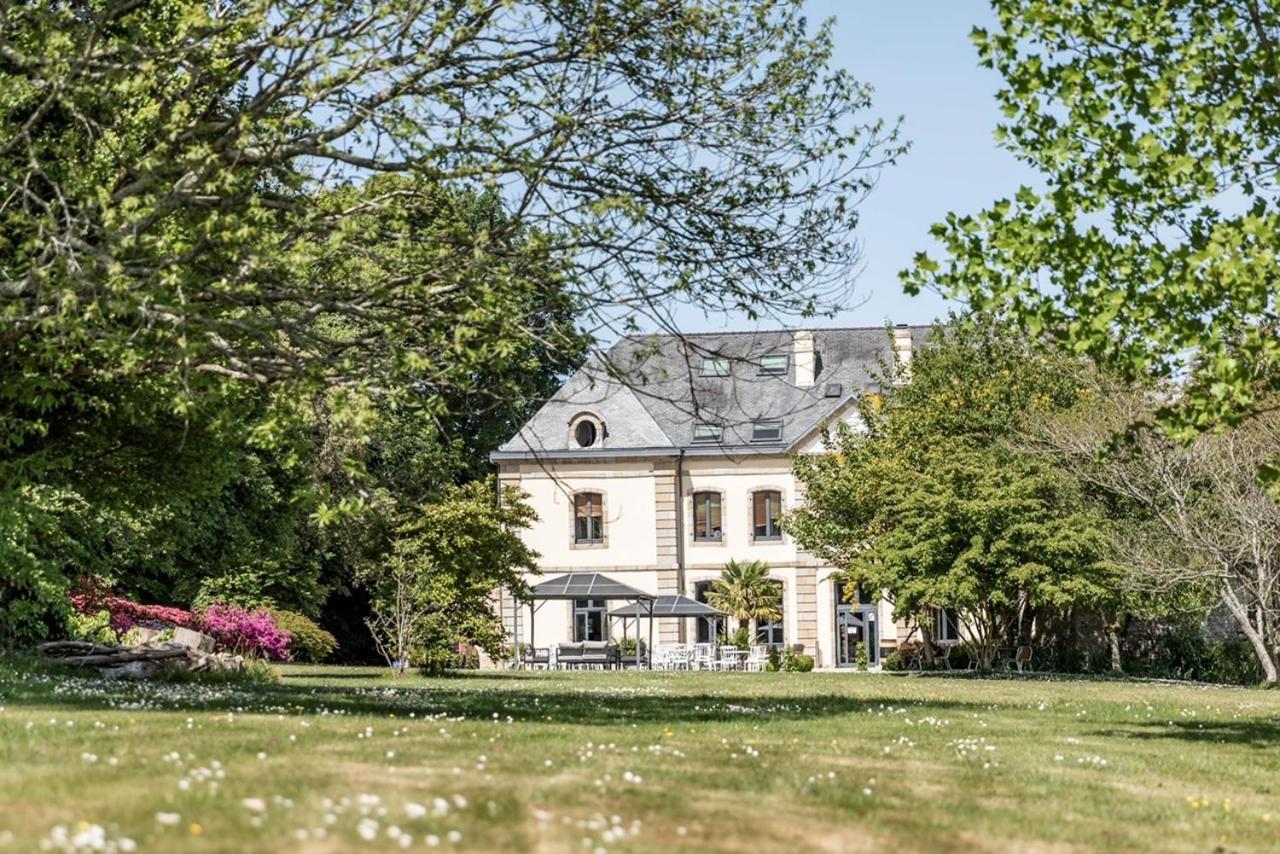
[766, 431]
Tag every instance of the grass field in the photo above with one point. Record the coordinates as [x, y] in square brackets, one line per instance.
[335, 759]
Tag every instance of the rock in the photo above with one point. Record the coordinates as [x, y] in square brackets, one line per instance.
[193, 639]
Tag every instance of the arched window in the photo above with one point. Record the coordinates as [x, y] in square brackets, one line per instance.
[766, 507]
[588, 518]
[707, 517]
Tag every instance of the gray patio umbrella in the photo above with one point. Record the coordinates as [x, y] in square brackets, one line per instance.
[678, 607]
[590, 585]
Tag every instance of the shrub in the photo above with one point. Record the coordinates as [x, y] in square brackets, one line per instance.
[94, 627]
[860, 659]
[91, 598]
[794, 663]
[252, 633]
[775, 660]
[307, 638]
[741, 638]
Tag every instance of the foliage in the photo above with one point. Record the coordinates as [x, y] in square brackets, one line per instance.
[929, 503]
[434, 591]
[92, 598]
[1151, 245]
[861, 659]
[745, 591]
[1209, 529]
[243, 297]
[741, 638]
[793, 662]
[775, 660]
[177, 194]
[94, 626]
[249, 633]
[305, 636]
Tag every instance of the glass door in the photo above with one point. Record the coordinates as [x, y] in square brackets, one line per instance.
[855, 626]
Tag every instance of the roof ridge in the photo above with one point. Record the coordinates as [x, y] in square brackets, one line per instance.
[643, 335]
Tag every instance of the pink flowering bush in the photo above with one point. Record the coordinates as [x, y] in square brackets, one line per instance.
[246, 632]
[235, 629]
[91, 598]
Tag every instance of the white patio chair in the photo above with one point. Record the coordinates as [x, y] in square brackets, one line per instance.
[728, 658]
[758, 658]
[704, 656]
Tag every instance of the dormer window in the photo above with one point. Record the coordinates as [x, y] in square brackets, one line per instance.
[587, 432]
[714, 366]
[774, 365]
[766, 431]
[705, 432]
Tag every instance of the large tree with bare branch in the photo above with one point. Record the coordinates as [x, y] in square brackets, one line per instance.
[1210, 522]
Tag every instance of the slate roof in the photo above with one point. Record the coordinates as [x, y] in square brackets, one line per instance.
[648, 392]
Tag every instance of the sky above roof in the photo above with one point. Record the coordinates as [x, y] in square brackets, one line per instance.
[918, 56]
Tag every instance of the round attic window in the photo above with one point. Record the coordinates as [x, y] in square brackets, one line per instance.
[586, 433]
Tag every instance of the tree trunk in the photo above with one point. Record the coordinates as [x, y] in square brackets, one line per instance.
[926, 639]
[1265, 655]
[1113, 641]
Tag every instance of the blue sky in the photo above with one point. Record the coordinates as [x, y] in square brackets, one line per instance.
[917, 55]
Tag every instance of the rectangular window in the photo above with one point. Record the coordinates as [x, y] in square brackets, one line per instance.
[771, 632]
[946, 625]
[766, 431]
[588, 620]
[706, 517]
[766, 506]
[773, 365]
[714, 366]
[588, 518]
[707, 432]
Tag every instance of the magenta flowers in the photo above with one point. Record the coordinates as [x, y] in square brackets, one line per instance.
[246, 632]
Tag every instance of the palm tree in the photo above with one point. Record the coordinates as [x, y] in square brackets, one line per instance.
[745, 590]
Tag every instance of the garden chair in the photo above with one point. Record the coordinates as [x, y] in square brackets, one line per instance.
[944, 655]
[758, 659]
[681, 657]
[728, 658]
[704, 656]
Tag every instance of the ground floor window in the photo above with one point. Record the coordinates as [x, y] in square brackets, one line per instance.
[588, 620]
[709, 631]
[946, 625]
[771, 632]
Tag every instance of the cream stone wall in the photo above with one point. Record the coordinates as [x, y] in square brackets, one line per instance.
[641, 528]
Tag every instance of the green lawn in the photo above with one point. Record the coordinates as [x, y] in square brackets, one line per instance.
[590, 761]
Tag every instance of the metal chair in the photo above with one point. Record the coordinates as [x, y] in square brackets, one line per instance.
[758, 659]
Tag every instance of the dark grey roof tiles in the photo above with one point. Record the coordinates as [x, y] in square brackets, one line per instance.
[650, 391]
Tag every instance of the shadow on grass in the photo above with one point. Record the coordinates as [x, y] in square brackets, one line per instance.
[523, 697]
[1260, 733]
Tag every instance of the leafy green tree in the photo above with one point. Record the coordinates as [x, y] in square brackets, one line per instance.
[435, 589]
[1151, 241]
[745, 591]
[928, 503]
[164, 159]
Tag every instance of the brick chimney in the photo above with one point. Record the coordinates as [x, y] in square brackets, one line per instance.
[902, 348]
[804, 357]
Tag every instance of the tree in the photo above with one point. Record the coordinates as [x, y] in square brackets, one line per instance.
[926, 501]
[1151, 245]
[163, 161]
[435, 589]
[256, 221]
[1210, 525]
[746, 592]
